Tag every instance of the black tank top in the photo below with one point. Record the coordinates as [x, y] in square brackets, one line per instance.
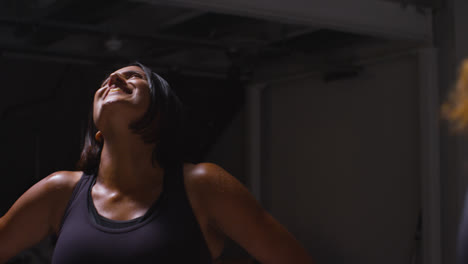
[167, 233]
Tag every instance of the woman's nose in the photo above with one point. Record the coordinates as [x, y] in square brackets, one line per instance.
[117, 79]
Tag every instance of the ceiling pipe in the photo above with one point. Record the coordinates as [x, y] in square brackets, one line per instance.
[102, 31]
[113, 61]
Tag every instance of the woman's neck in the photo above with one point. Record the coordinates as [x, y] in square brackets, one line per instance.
[127, 164]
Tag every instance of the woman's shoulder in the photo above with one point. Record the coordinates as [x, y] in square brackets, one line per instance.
[58, 188]
[45, 201]
[209, 179]
[200, 169]
[203, 173]
[62, 180]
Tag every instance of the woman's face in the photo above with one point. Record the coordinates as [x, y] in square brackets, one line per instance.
[124, 95]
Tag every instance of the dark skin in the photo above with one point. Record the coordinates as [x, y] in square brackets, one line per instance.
[128, 182]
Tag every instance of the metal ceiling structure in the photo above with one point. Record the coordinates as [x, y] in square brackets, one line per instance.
[166, 37]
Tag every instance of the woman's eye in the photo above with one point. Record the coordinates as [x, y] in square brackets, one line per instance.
[137, 75]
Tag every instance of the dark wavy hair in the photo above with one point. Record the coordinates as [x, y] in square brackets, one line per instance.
[161, 124]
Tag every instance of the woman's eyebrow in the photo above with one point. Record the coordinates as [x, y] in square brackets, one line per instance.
[131, 72]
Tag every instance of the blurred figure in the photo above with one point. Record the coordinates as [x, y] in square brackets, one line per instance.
[456, 111]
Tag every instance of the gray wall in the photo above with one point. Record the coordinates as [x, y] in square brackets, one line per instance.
[229, 150]
[341, 162]
[345, 163]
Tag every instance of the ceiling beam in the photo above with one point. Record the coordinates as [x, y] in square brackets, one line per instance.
[179, 19]
[292, 35]
[109, 59]
[370, 17]
[423, 3]
[71, 28]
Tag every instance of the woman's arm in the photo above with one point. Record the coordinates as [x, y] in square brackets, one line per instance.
[236, 213]
[36, 213]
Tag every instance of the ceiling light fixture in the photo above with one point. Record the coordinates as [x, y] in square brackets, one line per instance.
[113, 44]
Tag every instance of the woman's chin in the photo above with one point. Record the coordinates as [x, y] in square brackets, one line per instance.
[113, 100]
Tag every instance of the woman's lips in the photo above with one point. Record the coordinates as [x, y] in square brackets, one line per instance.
[115, 88]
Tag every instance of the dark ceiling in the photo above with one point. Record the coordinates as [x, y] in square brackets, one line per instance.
[420, 3]
[118, 31]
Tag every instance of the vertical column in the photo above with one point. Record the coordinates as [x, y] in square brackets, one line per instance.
[254, 135]
[430, 157]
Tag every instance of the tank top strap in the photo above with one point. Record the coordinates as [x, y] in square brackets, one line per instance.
[80, 186]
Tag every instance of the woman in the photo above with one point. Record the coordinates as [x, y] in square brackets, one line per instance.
[133, 200]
